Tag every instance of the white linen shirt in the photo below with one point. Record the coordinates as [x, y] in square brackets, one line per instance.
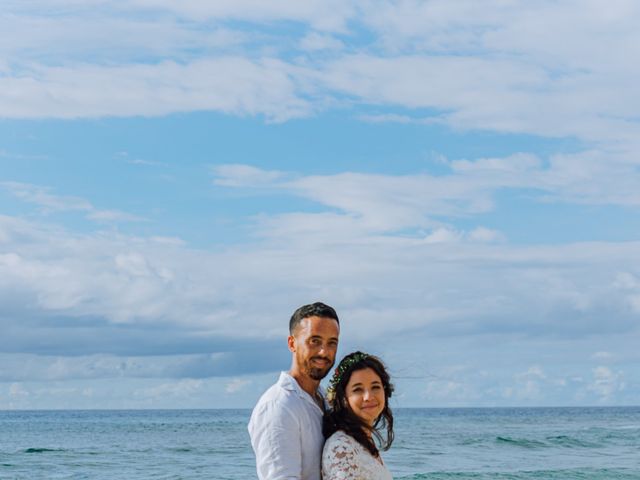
[286, 433]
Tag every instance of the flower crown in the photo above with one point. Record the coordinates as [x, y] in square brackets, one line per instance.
[344, 365]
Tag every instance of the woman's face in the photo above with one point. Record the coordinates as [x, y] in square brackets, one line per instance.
[365, 395]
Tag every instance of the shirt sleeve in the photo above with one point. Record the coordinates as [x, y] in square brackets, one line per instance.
[276, 440]
[340, 461]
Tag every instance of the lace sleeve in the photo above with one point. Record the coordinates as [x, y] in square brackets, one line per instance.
[340, 459]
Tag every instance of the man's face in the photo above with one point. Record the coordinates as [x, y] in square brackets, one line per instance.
[314, 344]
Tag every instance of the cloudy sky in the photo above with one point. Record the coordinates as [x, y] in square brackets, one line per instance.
[460, 180]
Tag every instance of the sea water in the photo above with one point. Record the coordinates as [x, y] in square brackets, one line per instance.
[514, 444]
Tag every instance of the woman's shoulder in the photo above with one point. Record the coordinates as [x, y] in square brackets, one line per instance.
[342, 442]
[340, 436]
[344, 458]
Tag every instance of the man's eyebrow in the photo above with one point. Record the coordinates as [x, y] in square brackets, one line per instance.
[321, 337]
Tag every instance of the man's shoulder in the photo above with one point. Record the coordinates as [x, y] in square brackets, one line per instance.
[278, 397]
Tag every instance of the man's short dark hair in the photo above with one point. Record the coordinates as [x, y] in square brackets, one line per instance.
[317, 309]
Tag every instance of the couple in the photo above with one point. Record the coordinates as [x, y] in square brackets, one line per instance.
[292, 419]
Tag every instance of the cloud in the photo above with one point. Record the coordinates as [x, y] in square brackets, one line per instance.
[374, 203]
[232, 85]
[376, 233]
[169, 294]
[602, 356]
[238, 175]
[452, 385]
[510, 96]
[237, 360]
[109, 216]
[98, 34]
[236, 385]
[322, 15]
[416, 256]
[534, 372]
[17, 390]
[315, 41]
[535, 386]
[606, 382]
[178, 389]
[146, 163]
[483, 234]
[51, 203]
[499, 67]
[41, 196]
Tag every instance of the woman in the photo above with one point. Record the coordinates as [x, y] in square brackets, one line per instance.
[359, 398]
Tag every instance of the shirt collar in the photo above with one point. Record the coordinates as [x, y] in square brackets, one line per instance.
[287, 382]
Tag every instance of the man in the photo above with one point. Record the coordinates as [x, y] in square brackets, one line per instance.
[286, 424]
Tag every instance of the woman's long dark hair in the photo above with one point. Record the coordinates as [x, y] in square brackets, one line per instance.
[341, 417]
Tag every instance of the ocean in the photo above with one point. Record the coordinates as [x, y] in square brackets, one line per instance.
[471, 443]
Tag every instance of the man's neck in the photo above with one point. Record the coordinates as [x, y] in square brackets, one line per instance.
[307, 383]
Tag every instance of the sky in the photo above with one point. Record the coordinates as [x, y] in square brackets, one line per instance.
[460, 180]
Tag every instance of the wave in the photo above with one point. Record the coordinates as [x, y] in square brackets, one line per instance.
[521, 442]
[571, 442]
[563, 474]
[43, 450]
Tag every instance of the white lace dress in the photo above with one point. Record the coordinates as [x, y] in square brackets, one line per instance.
[343, 458]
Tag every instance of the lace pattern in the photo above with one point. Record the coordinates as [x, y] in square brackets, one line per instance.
[343, 458]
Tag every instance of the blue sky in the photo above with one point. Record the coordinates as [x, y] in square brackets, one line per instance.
[460, 181]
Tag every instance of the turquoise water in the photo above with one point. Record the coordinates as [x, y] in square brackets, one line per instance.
[513, 444]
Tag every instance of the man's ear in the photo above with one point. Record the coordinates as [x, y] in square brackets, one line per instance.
[291, 343]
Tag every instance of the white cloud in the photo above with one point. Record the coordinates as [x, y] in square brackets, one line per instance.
[606, 383]
[17, 390]
[316, 41]
[147, 163]
[488, 235]
[320, 14]
[519, 67]
[531, 386]
[179, 389]
[237, 175]
[105, 36]
[442, 235]
[49, 368]
[170, 297]
[534, 372]
[41, 196]
[488, 94]
[602, 356]
[233, 85]
[109, 216]
[51, 203]
[374, 203]
[629, 284]
[387, 250]
[236, 385]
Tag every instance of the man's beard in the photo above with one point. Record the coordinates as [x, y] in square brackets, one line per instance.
[317, 373]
